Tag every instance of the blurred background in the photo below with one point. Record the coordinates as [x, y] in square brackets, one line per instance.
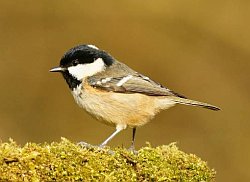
[200, 49]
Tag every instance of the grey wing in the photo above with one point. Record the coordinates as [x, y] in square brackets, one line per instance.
[131, 83]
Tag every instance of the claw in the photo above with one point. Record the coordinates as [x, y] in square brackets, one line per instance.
[132, 149]
[100, 147]
[86, 145]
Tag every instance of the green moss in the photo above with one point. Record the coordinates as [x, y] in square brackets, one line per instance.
[65, 161]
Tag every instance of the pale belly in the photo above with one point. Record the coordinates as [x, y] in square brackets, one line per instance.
[117, 108]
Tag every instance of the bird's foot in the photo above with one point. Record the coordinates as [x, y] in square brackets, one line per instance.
[132, 149]
[86, 145]
[90, 146]
[111, 152]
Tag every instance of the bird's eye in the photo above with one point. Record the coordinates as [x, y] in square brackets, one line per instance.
[75, 62]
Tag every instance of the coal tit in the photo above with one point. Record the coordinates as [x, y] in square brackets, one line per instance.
[114, 93]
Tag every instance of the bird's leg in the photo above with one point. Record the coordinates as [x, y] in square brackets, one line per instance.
[132, 147]
[118, 129]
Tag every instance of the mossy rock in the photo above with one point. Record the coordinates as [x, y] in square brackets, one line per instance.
[66, 161]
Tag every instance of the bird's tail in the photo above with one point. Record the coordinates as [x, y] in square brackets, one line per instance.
[185, 101]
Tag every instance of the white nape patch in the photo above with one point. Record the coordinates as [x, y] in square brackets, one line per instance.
[81, 71]
[124, 80]
[145, 78]
[93, 46]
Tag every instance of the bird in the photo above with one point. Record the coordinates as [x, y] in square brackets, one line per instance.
[114, 93]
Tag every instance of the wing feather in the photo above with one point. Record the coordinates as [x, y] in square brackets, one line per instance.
[136, 83]
[122, 79]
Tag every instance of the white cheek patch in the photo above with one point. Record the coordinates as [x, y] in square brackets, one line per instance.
[81, 71]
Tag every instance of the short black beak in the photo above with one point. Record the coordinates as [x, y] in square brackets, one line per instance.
[57, 69]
